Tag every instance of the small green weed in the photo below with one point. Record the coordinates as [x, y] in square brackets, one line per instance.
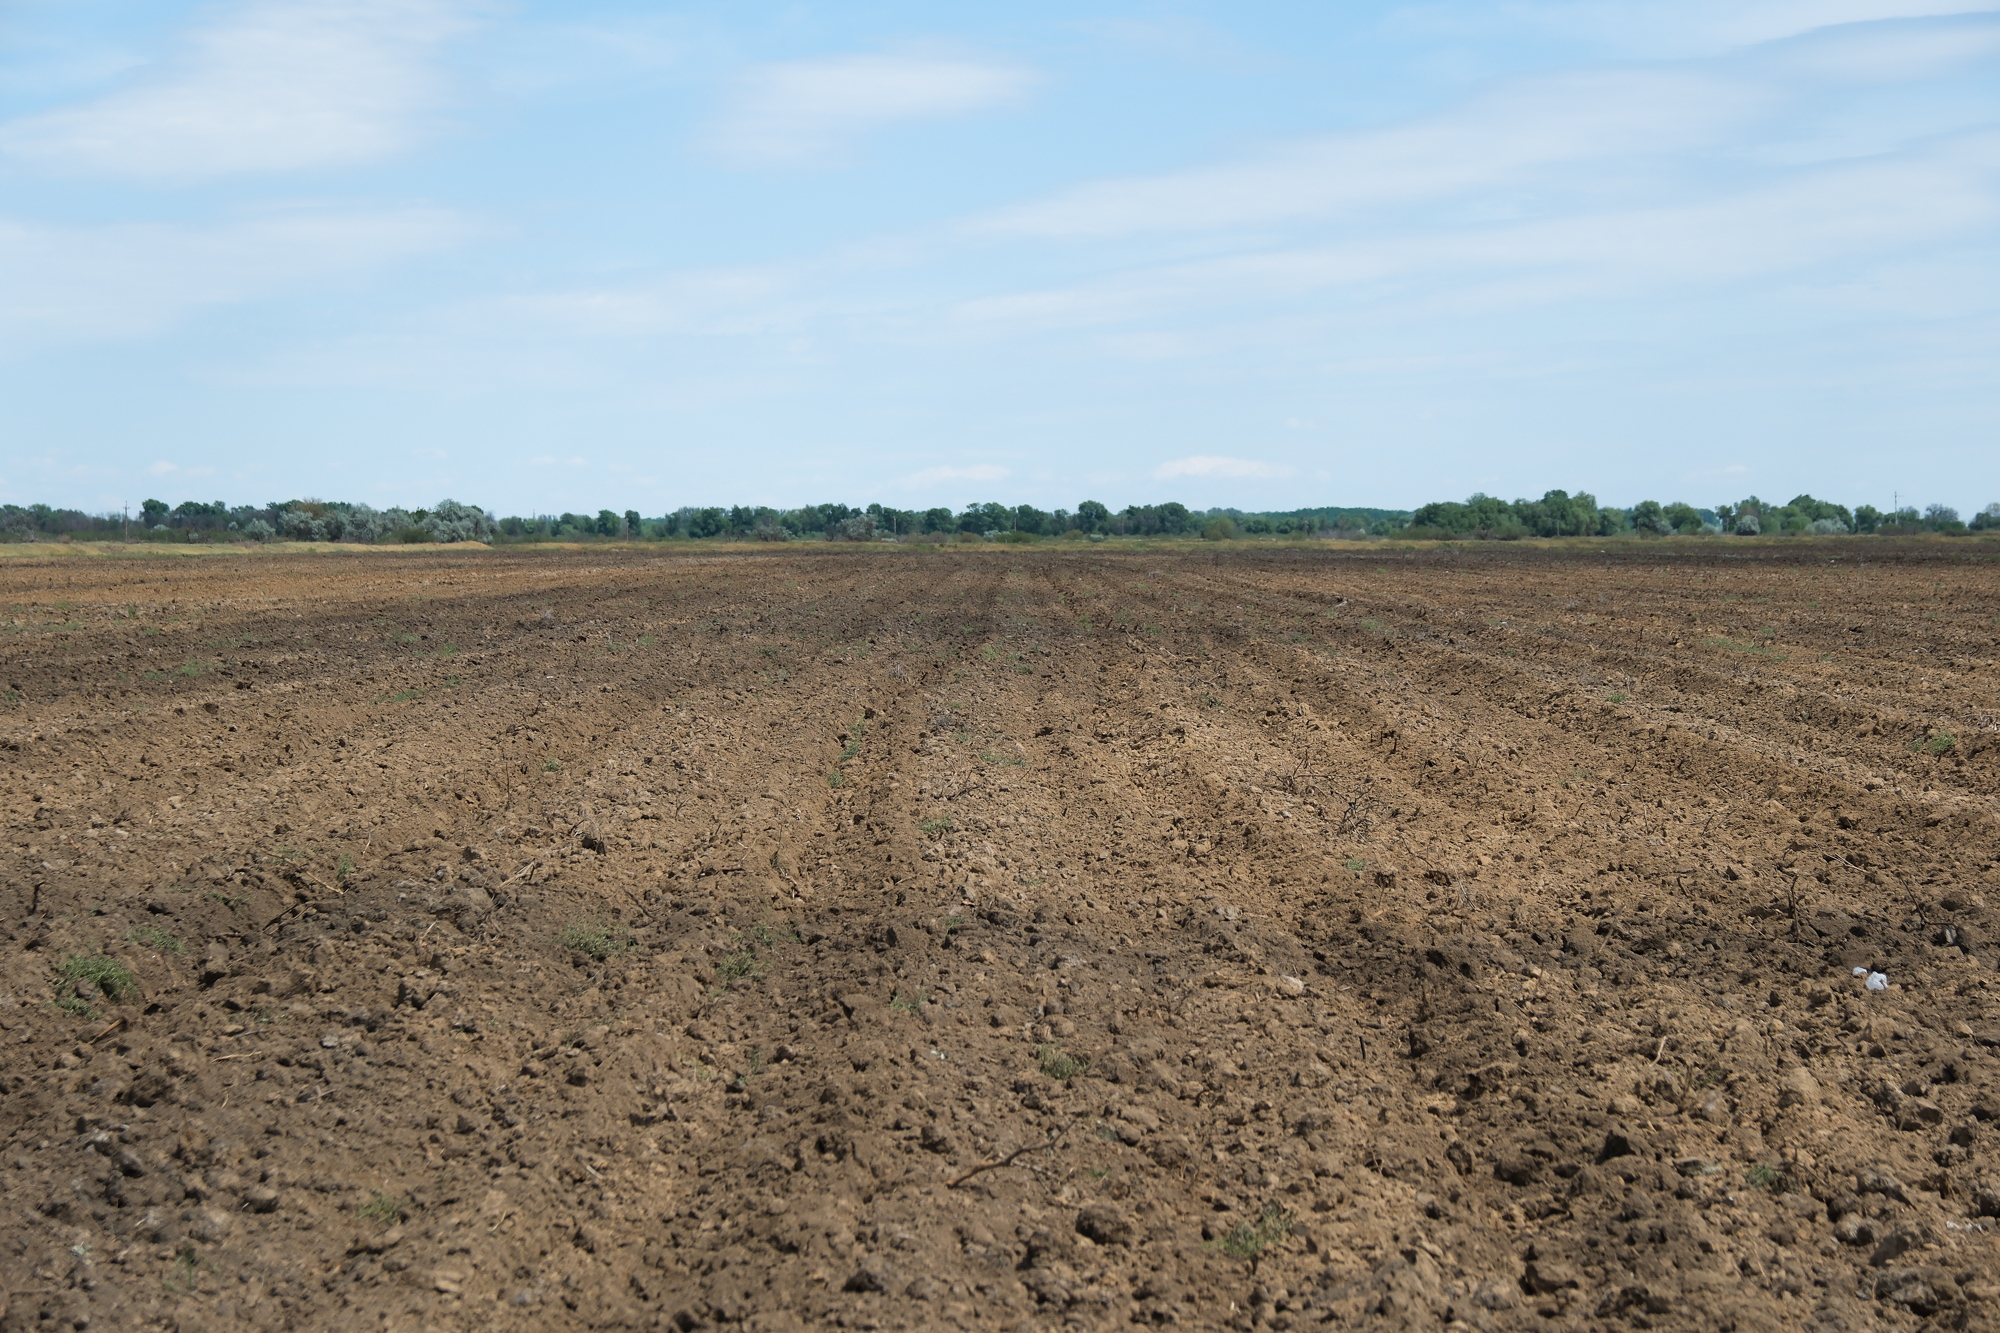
[1356, 864]
[741, 965]
[1617, 696]
[191, 667]
[1059, 1064]
[1767, 1176]
[1937, 744]
[595, 938]
[185, 1264]
[155, 938]
[1248, 1240]
[907, 1004]
[769, 937]
[344, 870]
[379, 1207]
[934, 826]
[551, 765]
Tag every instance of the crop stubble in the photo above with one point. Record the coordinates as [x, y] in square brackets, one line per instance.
[616, 939]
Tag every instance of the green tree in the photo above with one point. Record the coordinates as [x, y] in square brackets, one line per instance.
[1093, 517]
[153, 512]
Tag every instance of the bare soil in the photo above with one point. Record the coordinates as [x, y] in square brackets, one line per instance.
[1295, 937]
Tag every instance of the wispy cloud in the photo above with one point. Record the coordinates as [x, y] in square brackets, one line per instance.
[1673, 27]
[275, 86]
[808, 112]
[1215, 465]
[934, 478]
[1513, 138]
[126, 280]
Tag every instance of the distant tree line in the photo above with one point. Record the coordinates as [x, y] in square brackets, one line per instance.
[1560, 514]
[989, 522]
[1480, 517]
[281, 520]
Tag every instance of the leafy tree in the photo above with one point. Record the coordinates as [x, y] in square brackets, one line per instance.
[632, 523]
[1093, 517]
[153, 512]
[988, 517]
[1684, 518]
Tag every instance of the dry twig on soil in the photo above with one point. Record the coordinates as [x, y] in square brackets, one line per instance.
[1008, 1160]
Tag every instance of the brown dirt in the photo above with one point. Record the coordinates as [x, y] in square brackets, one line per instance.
[1473, 931]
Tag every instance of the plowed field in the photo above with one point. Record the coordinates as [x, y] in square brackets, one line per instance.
[622, 939]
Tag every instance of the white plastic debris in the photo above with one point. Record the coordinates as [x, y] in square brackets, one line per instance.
[1876, 980]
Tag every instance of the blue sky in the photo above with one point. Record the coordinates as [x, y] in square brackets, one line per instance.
[547, 257]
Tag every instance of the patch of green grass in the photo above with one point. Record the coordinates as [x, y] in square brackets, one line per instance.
[933, 826]
[1767, 1176]
[595, 938]
[155, 938]
[551, 765]
[741, 965]
[108, 976]
[379, 1207]
[345, 869]
[770, 937]
[1937, 744]
[907, 1004]
[233, 904]
[952, 925]
[833, 779]
[1617, 696]
[1372, 626]
[1059, 1064]
[1248, 1240]
[192, 667]
[1356, 864]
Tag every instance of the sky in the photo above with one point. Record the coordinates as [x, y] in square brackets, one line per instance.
[547, 257]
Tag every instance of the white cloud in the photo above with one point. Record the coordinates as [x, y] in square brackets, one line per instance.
[1779, 223]
[1657, 28]
[162, 468]
[932, 478]
[275, 86]
[1213, 465]
[132, 279]
[806, 112]
[1512, 138]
